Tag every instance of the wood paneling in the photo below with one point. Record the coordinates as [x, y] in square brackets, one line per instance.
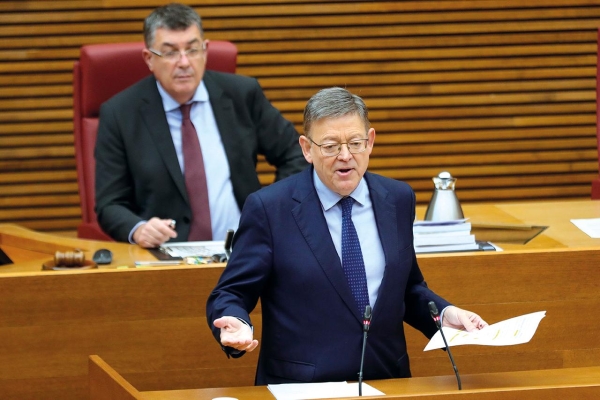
[500, 93]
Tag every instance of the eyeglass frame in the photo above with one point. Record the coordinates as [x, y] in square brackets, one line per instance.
[180, 53]
[365, 141]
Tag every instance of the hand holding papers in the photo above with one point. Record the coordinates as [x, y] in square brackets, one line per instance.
[509, 332]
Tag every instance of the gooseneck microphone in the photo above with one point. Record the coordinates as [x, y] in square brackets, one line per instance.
[228, 241]
[436, 318]
[366, 325]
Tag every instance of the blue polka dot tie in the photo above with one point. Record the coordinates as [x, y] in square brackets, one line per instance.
[352, 259]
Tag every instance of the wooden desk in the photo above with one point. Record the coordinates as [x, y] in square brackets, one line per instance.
[29, 249]
[552, 384]
[149, 324]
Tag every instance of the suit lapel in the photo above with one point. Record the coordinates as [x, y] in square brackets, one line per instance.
[386, 219]
[153, 114]
[312, 224]
[224, 113]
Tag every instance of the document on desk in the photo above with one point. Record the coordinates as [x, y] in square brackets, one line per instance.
[193, 249]
[509, 332]
[324, 390]
[590, 226]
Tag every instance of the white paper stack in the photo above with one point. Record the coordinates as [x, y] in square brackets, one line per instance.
[442, 236]
[193, 249]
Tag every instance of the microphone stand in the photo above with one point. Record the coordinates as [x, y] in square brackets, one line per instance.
[436, 318]
[366, 325]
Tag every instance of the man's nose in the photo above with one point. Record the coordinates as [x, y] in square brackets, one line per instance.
[183, 59]
[344, 152]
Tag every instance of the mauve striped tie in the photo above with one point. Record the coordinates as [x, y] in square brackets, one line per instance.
[195, 178]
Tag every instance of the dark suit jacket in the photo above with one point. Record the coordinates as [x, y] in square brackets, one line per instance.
[137, 173]
[312, 330]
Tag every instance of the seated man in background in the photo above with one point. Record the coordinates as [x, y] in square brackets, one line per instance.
[320, 247]
[176, 153]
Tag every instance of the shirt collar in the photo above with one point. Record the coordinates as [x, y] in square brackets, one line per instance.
[169, 103]
[329, 198]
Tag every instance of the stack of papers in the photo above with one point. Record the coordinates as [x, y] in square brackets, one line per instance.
[440, 236]
[325, 390]
[194, 249]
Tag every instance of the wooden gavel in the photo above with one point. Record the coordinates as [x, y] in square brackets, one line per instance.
[74, 258]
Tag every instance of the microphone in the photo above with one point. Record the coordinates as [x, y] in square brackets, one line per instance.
[366, 326]
[436, 318]
[228, 241]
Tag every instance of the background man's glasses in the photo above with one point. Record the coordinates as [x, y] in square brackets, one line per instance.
[192, 53]
[333, 149]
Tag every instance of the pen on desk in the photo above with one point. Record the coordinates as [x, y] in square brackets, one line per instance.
[159, 262]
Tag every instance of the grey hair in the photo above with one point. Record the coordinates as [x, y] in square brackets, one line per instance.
[334, 102]
[174, 16]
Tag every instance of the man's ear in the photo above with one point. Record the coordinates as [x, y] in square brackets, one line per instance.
[306, 145]
[147, 58]
[205, 43]
[371, 142]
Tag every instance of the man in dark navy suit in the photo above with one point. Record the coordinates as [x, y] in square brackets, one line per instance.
[140, 163]
[314, 270]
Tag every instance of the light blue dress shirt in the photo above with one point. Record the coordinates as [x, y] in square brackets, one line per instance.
[363, 218]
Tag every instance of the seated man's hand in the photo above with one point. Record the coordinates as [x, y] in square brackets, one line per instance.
[235, 334]
[154, 233]
[458, 318]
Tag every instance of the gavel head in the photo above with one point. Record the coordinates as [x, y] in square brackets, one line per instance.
[74, 258]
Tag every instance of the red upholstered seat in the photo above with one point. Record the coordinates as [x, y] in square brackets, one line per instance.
[102, 71]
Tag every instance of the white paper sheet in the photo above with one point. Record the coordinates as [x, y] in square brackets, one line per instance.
[509, 332]
[325, 390]
[589, 226]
